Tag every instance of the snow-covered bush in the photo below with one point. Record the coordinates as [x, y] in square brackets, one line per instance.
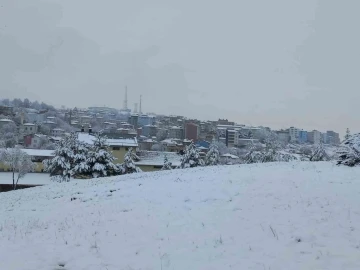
[319, 154]
[213, 156]
[18, 162]
[128, 166]
[191, 157]
[167, 164]
[349, 151]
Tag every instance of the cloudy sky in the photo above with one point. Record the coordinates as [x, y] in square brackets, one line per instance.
[276, 63]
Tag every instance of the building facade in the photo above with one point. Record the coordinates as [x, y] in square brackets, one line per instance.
[192, 131]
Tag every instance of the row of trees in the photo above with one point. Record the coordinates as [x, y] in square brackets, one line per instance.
[272, 152]
[77, 159]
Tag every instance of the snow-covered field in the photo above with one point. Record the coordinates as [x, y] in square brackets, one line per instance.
[260, 216]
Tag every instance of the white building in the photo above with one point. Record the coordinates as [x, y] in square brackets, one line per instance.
[57, 132]
[314, 137]
[294, 134]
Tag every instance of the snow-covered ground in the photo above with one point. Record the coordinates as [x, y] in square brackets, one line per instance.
[259, 216]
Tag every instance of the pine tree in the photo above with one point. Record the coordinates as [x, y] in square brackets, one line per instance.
[349, 151]
[191, 157]
[128, 166]
[79, 163]
[60, 166]
[319, 154]
[347, 135]
[213, 156]
[167, 164]
[100, 160]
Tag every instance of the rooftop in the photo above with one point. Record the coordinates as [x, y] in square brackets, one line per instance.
[88, 138]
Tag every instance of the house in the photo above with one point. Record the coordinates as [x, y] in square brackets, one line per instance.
[119, 147]
[37, 156]
[57, 132]
[50, 124]
[34, 141]
[29, 128]
[4, 122]
[154, 161]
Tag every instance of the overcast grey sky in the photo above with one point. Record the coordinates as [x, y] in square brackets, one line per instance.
[276, 63]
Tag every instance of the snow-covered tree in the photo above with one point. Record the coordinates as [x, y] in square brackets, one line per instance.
[319, 154]
[347, 135]
[69, 159]
[18, 162]
[161, 135]
[99, 159]
[80, 150]
[213, 156]
[191, 157]
[128, 166]
[349, 151]
[223, 149]
[167, 164]
[9, 135]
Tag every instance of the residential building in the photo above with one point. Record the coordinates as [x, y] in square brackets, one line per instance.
[34, 141]
[192, 131]
[333, 137]
[133, 120]
[231, 135]
[57, 132]
[225, 122]
[29, 128]
[149, 131]
[119, 147]
[145, 119]
[294, 134]
[314, 137]
[303, 136]
[176, 132]
[4, 122]
[283, 135]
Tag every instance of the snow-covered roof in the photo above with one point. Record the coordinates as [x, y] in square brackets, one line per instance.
[58, 129]
[48, 122]
[230, 156]
[153, 158]
[6, 120]
[39, 152]
[29, 124]
[87, 138]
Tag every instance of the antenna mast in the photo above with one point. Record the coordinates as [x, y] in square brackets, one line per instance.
[125, 100]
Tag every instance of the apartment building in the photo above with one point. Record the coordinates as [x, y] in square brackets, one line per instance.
[314, 137]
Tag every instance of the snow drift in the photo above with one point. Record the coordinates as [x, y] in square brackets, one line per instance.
[260, 216]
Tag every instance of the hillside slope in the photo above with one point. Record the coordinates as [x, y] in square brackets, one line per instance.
[260, 216]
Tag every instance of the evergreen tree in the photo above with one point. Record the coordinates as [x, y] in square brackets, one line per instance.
[319, 154]
[213, 156]
[80, 150]
[349, 151]
[347, 135]
[191, 157]
[60, 166]
[128, 166]
[167, 164]
[100, 160]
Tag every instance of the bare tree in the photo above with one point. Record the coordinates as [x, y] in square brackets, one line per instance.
[19, 163]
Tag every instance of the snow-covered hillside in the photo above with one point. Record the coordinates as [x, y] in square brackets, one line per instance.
[260, 216]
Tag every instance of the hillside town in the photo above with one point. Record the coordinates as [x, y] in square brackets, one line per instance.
[37, 127]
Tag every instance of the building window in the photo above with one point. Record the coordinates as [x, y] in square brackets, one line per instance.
[116, 148]
[127, 148]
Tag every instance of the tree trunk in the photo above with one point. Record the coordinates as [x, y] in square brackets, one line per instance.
[13, 179]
